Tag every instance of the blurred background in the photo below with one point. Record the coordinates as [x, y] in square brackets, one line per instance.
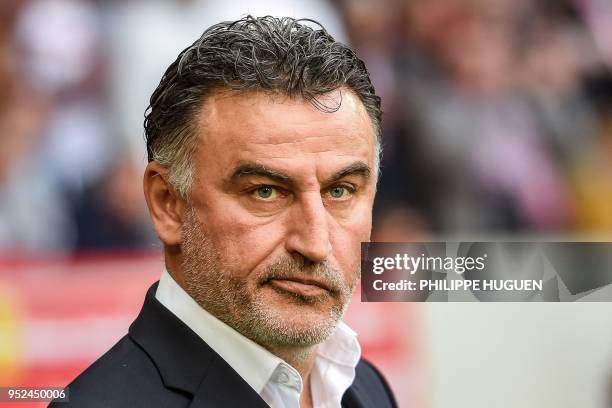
[497, 122]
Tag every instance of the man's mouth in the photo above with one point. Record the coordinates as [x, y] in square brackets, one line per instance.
[300, 286]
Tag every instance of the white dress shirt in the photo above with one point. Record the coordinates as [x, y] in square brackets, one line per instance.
[278, 383]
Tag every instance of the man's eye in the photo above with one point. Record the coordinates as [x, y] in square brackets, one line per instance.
[266, 192]
[338, 192]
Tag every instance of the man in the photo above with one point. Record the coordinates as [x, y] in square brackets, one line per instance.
[263, 144]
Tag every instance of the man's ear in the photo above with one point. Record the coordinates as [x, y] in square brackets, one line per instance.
[165, 205]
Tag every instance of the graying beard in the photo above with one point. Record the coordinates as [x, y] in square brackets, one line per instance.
[215, 291]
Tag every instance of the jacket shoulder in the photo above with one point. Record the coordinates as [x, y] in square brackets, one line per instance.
[124, 376]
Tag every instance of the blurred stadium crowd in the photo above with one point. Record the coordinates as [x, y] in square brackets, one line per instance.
[498, 113]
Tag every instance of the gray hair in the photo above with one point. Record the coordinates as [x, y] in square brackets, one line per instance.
[278, 55]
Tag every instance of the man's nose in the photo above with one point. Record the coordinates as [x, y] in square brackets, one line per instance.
[308, 228]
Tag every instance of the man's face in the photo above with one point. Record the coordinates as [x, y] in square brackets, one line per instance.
[281, 198]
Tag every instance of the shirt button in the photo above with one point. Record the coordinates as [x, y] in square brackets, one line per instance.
[283, 377]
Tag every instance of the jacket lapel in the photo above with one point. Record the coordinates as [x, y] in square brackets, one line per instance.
[185, 362]
[355, 397]
[225, 388]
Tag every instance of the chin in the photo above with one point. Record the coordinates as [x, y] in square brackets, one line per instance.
[300, 314]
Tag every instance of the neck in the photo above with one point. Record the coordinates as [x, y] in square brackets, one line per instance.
[302, 359]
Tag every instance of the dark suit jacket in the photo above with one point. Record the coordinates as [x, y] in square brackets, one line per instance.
[162, 363]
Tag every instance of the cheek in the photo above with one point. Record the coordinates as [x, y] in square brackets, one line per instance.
[244, 244]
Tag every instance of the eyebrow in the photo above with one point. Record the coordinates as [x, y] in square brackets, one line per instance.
[254, 169]
[354, 169]
[259, 170]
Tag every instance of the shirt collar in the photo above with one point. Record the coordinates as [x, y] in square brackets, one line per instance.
[342, 347]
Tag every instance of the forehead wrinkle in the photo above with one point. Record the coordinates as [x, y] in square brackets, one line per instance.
[310, 145]
[297, 139]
